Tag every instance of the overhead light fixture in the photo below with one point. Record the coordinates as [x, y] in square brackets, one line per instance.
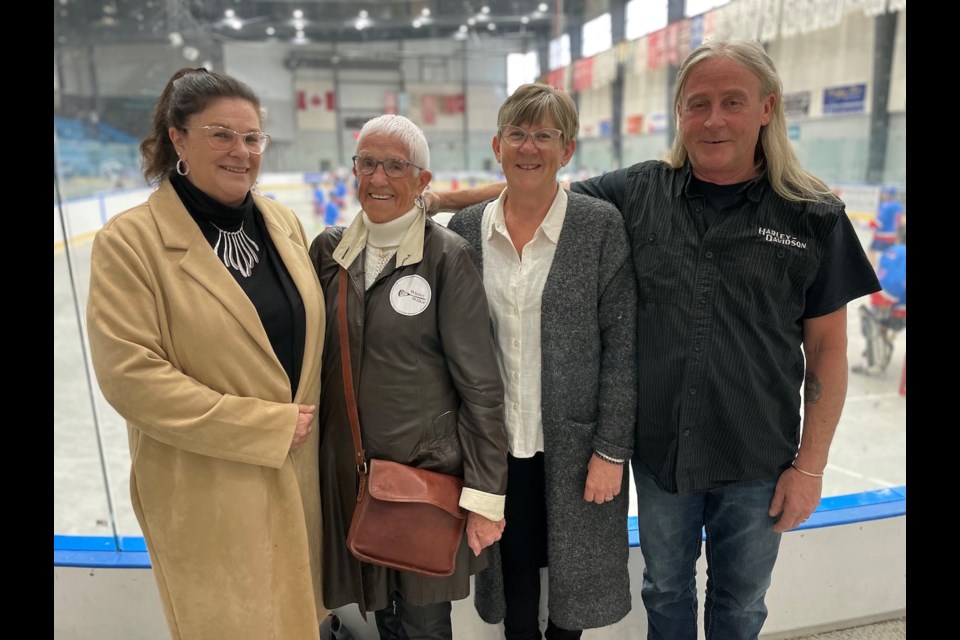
[425, 12]
[525, 20]
[542, 7]
[471, 22]
[491, 26]
[271, 31]
[229, 13]
[484, 9]
[416, 24]
[297, 14]
[363, 13]
[463, 28]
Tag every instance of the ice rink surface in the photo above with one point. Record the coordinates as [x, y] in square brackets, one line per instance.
[869, 449]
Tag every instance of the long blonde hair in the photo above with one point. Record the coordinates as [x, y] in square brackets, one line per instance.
[774, 152]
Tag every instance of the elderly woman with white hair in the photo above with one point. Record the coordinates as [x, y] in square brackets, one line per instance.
[428, 388]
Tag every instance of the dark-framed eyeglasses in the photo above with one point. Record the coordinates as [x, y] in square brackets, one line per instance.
[542, 138]
[224, 139]
[393, 167]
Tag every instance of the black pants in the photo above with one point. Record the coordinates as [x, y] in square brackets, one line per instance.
[523, 551]
[401, 620]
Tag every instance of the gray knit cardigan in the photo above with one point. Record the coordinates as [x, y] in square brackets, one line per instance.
[589, 402]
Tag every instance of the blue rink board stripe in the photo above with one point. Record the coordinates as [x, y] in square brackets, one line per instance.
[102, 552]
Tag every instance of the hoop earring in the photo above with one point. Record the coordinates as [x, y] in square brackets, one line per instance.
[419, 201]
[182, 167]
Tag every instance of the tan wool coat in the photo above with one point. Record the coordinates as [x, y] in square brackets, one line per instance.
[230, 517]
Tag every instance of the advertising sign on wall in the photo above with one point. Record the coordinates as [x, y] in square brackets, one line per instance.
[849, 98]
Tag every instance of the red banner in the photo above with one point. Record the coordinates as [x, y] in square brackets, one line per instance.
[390, 103]
[655, 53]
[583, 74]
[557, 78]
[453, 104]
[429, 106]
[635, 123]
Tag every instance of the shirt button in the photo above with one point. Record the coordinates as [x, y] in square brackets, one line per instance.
[780, 254]
[692, 391]
[709, 254]
[652, 237]
[697, 347]
[516, 376]
[703, 301]
[516, 343]
[686, 432]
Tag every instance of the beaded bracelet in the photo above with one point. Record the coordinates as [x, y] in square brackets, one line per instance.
[806, 473]
[607, 458]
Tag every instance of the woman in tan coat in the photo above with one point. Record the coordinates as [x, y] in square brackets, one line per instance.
[206, 324]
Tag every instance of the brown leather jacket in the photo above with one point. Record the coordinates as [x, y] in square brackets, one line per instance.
[428, 393]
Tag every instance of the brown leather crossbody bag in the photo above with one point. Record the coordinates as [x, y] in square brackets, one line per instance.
[405, 518]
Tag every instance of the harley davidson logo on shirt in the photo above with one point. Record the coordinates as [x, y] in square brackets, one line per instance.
[781, 238]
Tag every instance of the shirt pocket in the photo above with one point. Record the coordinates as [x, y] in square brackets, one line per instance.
[659, 266]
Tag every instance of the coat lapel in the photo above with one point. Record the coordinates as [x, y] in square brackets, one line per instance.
[290, 246]
[182, 235]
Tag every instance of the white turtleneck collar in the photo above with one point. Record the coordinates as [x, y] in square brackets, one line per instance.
[388, 234]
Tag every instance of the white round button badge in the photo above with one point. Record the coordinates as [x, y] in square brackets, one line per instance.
[410, 295]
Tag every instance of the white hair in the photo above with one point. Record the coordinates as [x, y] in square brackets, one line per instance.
[403, 128]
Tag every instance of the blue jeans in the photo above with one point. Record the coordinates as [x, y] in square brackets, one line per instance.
[741, 551]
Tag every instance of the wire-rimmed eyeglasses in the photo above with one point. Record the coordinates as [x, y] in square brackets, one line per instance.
[224, 139]
[542, 138]
[393, 167]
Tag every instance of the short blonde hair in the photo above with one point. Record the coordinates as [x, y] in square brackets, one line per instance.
[530, 103]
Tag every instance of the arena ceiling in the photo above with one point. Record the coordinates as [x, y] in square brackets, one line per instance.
[95, 22]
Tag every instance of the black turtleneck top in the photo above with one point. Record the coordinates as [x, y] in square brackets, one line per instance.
[269, 286]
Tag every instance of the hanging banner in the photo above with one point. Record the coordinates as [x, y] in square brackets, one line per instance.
[428, 106]
[635, 123]
[583, 74]
[390, 103]
[557, 78]
[655, 52]
[316, 105]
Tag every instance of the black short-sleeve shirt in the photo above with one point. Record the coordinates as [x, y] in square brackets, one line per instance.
[720, 319]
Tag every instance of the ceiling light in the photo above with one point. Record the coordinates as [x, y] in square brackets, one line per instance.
[363, 13]
[471, 22]
[416, 24]
[484, 9]
[176, 40]
[525, 20]
[491, 26]
[463, 28]
[297, 13]
[425, 12]
[542, 6]
[229, 13]
[299, 25]
[271, 31]
[191, 53]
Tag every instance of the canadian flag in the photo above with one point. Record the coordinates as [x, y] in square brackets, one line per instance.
[316, 105]
[307, 101]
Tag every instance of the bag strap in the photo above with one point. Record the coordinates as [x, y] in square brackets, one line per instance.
[352, 414]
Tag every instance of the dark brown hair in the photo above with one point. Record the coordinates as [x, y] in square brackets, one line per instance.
[189, 91]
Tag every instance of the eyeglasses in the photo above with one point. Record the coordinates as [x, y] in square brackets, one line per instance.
[223, 139]
[543, 138]
[367, 166]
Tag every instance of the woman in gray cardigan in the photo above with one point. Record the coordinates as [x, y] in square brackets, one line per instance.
[557, 272]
